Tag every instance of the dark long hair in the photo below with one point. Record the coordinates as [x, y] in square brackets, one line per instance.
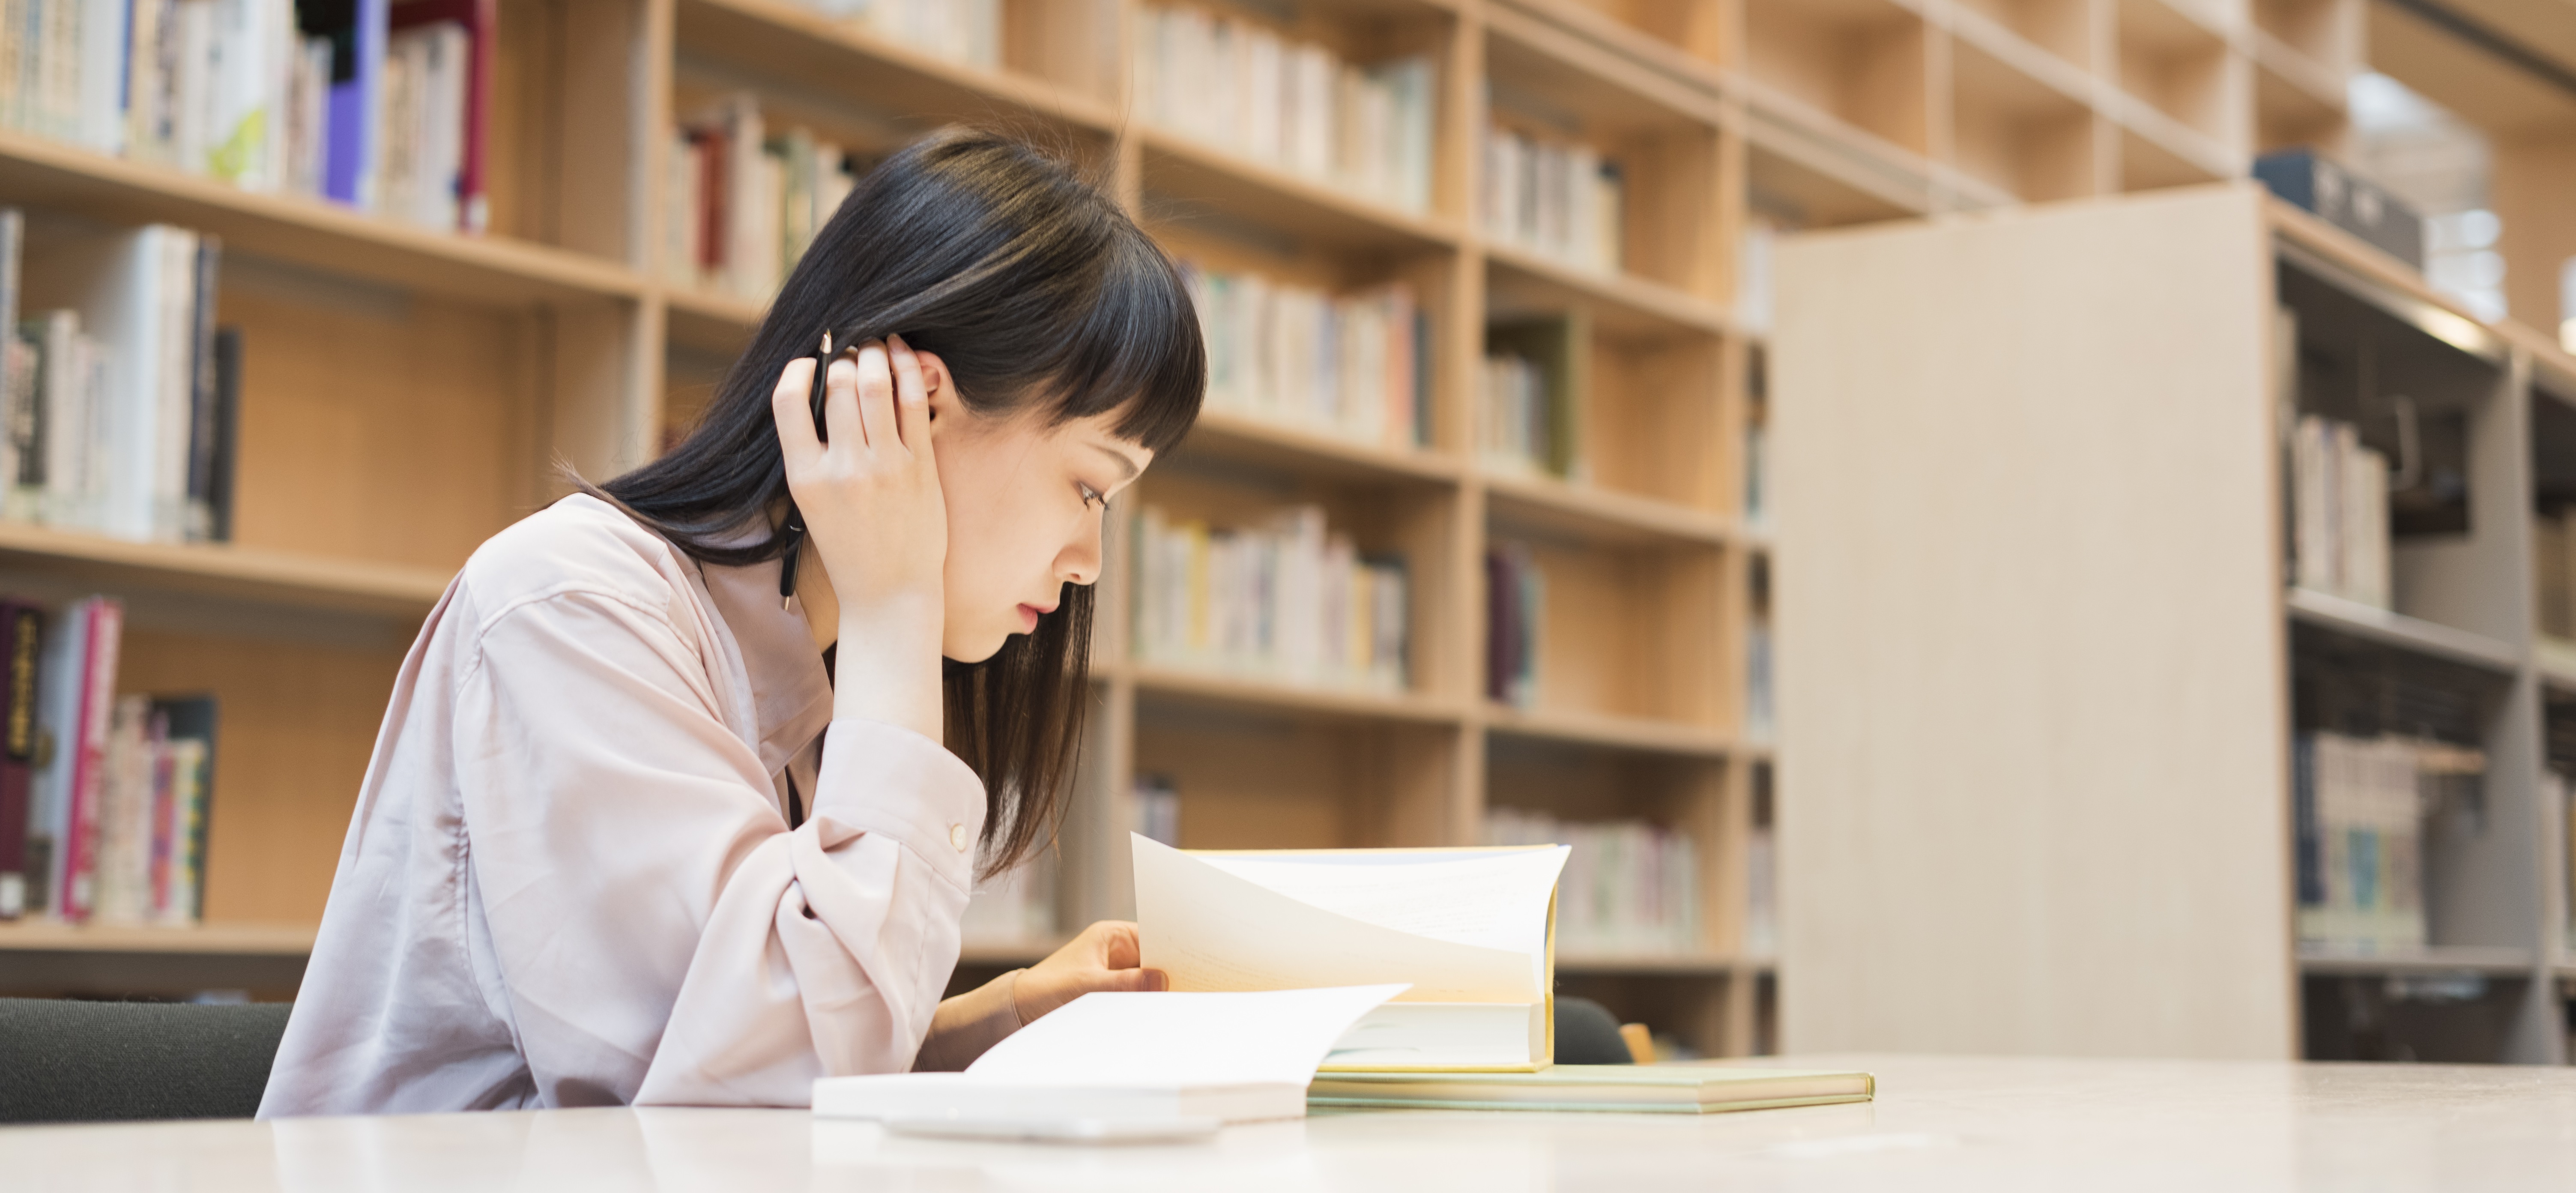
[1034, 287]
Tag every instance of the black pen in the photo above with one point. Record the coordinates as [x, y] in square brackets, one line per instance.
[795, 520]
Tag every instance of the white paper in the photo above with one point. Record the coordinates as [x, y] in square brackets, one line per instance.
[1492, 900]
[1182, 1039]
[1212, 929]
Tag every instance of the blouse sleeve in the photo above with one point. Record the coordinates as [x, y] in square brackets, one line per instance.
[658, 930]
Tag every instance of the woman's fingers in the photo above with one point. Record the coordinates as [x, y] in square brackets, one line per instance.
[787, 407]
[876, 397]
[845, 383]
[911, 397]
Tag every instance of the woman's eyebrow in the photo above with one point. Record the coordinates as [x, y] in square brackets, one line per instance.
[1127, 467]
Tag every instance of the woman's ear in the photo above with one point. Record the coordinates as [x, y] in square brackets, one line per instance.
[934, 378]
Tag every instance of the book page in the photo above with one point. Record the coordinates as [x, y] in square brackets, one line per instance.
[1107, 1038]
[1213, 930]
[1491, 900]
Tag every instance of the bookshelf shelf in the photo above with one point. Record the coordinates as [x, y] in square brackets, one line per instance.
[241, 573]
[1164, 682]
[1226, 434]
[278, 940]
[40, 173]
[1187, 181]
[2022, 127]
[2371, 624]
[1624, 303]
[1863, 63]
[2453, 959]
[1597, 515]
[787, 43]
[2177, 63]
[1601, 729]
[2062, 29]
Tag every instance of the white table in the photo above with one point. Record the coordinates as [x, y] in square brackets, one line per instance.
[1939, 1123]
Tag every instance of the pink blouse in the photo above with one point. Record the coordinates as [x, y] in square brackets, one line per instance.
[570, 881]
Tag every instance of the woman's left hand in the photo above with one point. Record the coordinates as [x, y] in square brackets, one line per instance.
[1103, 957]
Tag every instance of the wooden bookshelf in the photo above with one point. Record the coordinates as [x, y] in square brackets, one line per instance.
[409, 391]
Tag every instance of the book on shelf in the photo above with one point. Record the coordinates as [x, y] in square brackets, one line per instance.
[1158, 809]
[1553, 196]
[108, 793]
[743, 205]
[968, 31]
[1627, 1089]
[2358, 811]
[1470, 932]
[1287, 599]
[1761, 893]
[1124, 1057]
[1757, 476]
[1515, 608]
[2339, 512]
[1754, 284]
[1759, 699]
[380, 108]
[1532, 416]
[122, 393]
[1629, 888]
[1355, 365]
[1223, 77]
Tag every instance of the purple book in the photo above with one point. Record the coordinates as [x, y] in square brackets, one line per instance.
[357, 87]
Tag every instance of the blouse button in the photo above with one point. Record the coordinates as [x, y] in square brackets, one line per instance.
[957, 836]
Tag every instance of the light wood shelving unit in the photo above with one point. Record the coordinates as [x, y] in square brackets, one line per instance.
[408, 393]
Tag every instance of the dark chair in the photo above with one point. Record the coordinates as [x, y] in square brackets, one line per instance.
[78, 1062]
[1588, 1034]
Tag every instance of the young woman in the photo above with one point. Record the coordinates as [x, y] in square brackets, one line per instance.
[682, 787]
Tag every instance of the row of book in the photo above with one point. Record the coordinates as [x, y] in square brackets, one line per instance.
[2359, 807]
[1290, 104]
[118, 394]
[741, 204]
[379, 106]
[1526, 424]
[968, 31]
[1288, 599]
[1628, 888]
[1761, 893]
[103, 798]
[1557, 198]
[1515, 608]
[2339, 512]
[1356, 365]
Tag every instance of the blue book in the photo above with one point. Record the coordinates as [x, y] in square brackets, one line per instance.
[357, 29]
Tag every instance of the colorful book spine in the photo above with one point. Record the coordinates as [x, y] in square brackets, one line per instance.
[21, 640]
[1287, 600]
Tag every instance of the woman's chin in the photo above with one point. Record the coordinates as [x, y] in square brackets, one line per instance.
[977, 650]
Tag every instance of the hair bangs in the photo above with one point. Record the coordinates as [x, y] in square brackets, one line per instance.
[1137, 350]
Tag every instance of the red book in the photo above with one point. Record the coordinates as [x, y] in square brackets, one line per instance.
[89, 763]
[480, 18]
[21, 631]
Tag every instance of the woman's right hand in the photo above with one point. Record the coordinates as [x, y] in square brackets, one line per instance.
[873, 512]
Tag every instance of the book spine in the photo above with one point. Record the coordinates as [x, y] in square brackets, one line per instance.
[88, 742]
[227, 433]
[21, 630]
[204, 390]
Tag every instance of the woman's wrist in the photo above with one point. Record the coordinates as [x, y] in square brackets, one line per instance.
[886, 664]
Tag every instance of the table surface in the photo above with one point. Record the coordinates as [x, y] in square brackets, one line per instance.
[1938, 1123]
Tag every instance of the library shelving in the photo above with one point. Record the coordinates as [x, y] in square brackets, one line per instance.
[2191, 694]
[408, 391]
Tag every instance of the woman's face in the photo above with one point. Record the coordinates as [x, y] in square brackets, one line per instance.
[1026, 503]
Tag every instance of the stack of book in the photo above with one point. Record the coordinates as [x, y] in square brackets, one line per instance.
[1555, 198]
[1356, 366]
[118, 394]
[1515, 608]
[103, 797]
[379, 106]
[2359, 806]
[1629, 888]
[968, 31]
[742, 206]
[1288, 600]
[1295, 106]
[2339, 512]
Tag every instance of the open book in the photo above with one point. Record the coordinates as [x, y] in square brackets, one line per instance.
[1471, 931]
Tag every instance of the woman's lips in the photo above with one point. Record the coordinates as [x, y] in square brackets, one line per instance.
[1029, 617]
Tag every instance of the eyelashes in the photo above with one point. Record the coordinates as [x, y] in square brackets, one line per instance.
[1091, 496]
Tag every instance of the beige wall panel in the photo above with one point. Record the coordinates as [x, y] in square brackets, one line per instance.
[2032, 716]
